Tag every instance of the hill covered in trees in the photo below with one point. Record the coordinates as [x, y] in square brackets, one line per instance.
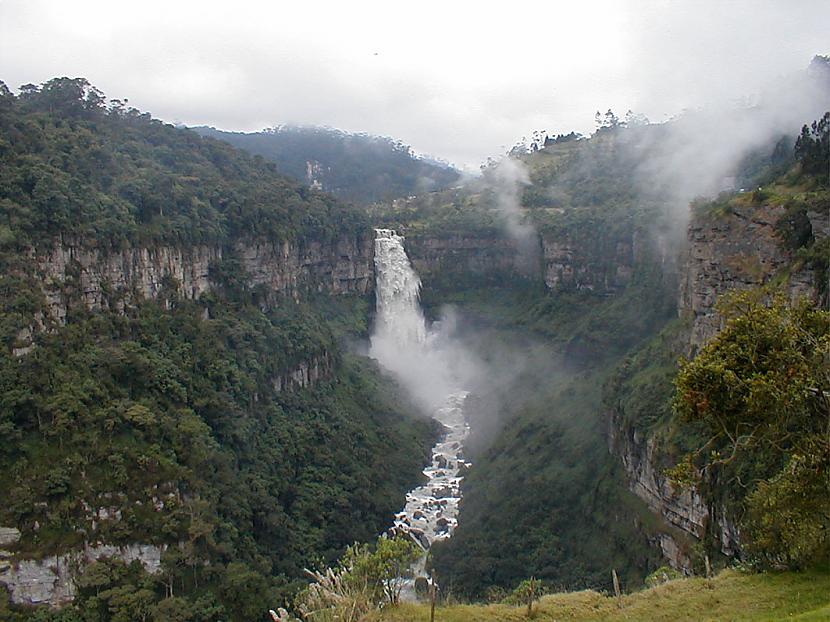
[354, 167]
[231, 432]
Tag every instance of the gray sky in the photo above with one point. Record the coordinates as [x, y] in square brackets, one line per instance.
[455, 79]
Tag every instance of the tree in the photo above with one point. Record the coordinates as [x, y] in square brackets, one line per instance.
[607, 121]
[527, 592]
[812, 148]
[761, 389]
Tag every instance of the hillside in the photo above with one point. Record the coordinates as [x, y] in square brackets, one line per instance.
[353, 167]
[172, 391]
[194, 420]
[729, 596]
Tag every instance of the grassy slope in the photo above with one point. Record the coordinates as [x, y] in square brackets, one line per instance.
[730, 596]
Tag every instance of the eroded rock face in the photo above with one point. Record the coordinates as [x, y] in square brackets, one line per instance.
[484, 256]
[569, 264]
[566, 263]
[685, 511]
[307, 373]
[735, 252]
[76, 274]
[50, 581]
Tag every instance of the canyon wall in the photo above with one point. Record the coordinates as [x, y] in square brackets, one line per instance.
[734, 251]
[50, 580]
[605, 264]
[74, 273]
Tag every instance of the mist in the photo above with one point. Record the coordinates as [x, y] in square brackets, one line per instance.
[506, 180]
[484, 78]
[700, 152]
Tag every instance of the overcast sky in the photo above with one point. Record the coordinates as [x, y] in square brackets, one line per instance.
[455, 79]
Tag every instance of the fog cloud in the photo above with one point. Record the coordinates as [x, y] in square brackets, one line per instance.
[454, 80]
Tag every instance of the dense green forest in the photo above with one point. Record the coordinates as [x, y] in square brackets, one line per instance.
[76, 165]
[171, 414]
[168, 415]
[353, 167]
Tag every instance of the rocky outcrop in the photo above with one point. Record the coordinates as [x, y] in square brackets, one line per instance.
[740, 250]
[686, 512]
[593, 263]
[74, 273]
[568, 264]
[51, 580]
[487, 257]
[307, 373]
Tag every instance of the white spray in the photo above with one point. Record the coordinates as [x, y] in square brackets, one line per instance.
[428, 364]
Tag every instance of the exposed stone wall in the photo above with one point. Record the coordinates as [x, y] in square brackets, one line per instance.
[734, 252]
[51, 580]
[593, 263]
[74, 272]
[307, 373]
[569, 264]
[477, 256]
[686, 513]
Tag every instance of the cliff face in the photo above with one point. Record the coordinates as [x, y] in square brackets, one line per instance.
[597, 264]
[740, 250]
[50, 581]
[734, 252]
[74, 274]
[482, 256]
[603, 265]
[686, 513]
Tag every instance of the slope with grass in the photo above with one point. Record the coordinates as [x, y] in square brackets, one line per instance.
[731, 595]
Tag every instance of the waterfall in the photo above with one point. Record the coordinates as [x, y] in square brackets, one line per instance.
[427, 363]
[399, 320]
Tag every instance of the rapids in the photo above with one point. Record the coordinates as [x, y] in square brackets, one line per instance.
[404, 345]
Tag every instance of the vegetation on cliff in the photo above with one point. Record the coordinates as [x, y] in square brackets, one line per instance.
[761, 390]
[196, 425]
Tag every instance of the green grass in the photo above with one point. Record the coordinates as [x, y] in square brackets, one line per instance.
[731, 595]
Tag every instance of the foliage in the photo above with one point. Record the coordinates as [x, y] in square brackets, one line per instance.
[354, 167]
[171, 423]
[366, 578]
[812, 148]
[72, 165]
[788, 516]
[761, 389]
[662, 575]
[526, 593]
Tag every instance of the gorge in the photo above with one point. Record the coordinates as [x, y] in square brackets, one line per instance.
[214, 378]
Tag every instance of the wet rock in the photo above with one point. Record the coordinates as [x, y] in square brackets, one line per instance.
[442, 492]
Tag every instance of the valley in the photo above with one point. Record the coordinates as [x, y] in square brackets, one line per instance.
[578, 369]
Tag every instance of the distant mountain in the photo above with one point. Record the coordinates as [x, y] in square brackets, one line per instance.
[354, 167]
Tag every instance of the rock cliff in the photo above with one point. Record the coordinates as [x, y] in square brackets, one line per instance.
[594, 263]
[74, 273]
[485, 256]
[740, 250]
[733, 251]
[50, 580]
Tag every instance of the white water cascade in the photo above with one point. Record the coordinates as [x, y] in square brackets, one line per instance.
[421, 359]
